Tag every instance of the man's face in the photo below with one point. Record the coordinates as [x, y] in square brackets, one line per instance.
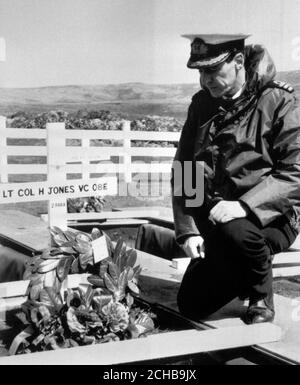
[220, 80]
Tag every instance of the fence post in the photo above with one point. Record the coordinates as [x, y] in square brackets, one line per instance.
[3, 151]
[127, 154]
[85, 144]
[57, 206]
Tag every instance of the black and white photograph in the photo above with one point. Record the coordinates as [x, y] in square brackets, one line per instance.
[149, 185]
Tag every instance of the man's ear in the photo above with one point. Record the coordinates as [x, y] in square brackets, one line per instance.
[239, 60]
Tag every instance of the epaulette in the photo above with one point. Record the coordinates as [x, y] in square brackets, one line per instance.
[282, 85]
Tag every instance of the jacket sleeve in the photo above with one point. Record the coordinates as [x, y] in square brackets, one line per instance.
[184, 217]
[280, 190]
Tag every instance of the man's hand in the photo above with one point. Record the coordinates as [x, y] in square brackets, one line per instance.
[225, 211]
[194, 247]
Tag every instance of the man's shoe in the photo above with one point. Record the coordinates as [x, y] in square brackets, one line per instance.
[243, 295]
[260, 311]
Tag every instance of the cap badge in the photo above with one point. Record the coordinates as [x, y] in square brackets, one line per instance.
[199, 48]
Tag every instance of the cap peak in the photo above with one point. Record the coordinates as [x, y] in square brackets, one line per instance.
[216, 38]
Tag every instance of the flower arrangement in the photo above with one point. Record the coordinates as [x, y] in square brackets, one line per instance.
[85, 205]
[102, 311]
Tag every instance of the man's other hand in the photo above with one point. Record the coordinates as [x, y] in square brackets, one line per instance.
[194, 247]
[225, 211]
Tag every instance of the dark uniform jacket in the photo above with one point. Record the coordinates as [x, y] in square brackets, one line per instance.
[250, 148]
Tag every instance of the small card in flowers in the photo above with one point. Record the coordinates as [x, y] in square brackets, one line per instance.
[100, 249]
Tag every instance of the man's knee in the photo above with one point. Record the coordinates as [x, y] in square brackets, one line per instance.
[157, 240]
[240, 234]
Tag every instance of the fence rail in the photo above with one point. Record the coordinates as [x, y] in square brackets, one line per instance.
[86, 152]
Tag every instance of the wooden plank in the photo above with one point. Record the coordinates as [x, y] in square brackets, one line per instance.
[110, 167]
[164, 218]
[32, 168]
[26, 150]
[286, 271]
[94, 152]
[26, 133]
[126, 151]
[155, 136]
[108, 215]
[157, 346]
[111, 223]
[282, 262]
[13, 289]
[19, 288]
[181, 264]
[25, 229]
[153, 151]
[98, 168]
[57, 206]
[287, 257]
[147, 210]
[118, 135]
[7, 304]
[3, 151]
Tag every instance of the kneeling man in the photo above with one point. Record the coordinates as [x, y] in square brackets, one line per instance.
[243, 127]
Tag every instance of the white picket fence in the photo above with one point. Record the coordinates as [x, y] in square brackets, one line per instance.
[83, 155]
[61, 158]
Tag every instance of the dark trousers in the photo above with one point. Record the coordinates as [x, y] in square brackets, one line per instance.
[238, 260]
[159, 241]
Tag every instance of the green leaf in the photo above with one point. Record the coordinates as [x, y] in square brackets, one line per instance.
[85, 259]
[74, 325]
[35, 291]
[114, 272]
[117, 250]
[47, 265]
[64, 267]
[145, 322]
[44, 298]
[70, 235]
[110, 247]
[56, 230]
[129, 300]
[103, 268]
[58, 239]
[100, 301]
[50, 278]
[54, 297]
[67, 250]
[96, 281]
[89, 296]
[75, 267]
[82, 237]
[137, 271]
[122, 284]
[109, 283]
[132, 257]
[130, 273]
[122, 260]
[82, 247]
[70, 296]
[133, 287]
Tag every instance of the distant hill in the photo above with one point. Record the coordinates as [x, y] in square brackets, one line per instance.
[131, 99]
[138, 92]
[292, 77]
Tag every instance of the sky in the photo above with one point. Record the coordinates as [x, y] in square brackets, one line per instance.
[64, 42]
